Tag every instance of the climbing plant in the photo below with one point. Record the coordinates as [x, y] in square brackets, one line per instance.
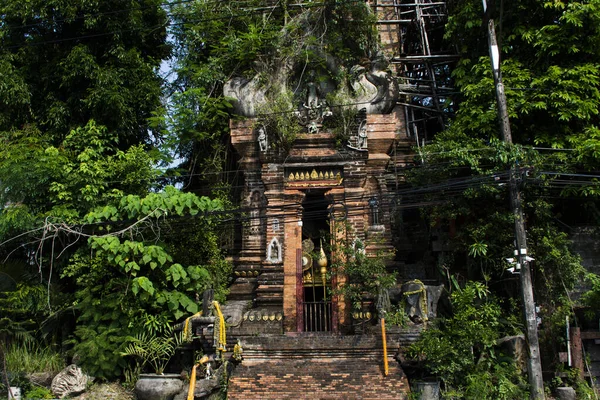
[279, 121]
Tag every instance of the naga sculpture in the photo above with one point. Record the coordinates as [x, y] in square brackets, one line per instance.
[375, 88]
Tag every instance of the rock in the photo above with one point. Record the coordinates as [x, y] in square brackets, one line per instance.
[41, 378]
[566, 393]
[205, 387]
[183, 394]
[69, 381]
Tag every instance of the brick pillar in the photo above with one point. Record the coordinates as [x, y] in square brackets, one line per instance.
[292, 242]
[247, 263]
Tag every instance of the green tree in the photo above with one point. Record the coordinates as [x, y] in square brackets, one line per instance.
[65, 62]
[127, 282]
[550, 59]
[44, 187]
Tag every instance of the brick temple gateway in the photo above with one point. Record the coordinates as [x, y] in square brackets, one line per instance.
[300, 340]
[295, 203]
[299, 200]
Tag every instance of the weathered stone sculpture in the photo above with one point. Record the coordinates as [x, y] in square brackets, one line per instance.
[234, 311]
[433, 297]
[362, 135]
[566, 393]
[70, 380]
[375, 87]
[415, 295]
[315, 109]
[247, 95]
[421, 300]
[516, 348]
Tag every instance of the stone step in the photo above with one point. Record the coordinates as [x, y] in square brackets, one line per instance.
[321, 366]
[317, 378]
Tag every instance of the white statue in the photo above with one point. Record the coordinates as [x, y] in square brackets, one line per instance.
[362, 135]
[262, 139]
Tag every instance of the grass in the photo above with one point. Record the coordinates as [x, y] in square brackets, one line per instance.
[30, 357]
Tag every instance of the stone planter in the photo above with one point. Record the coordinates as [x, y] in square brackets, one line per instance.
[158, 387]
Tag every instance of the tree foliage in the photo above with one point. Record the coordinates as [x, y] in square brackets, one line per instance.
[550, 70]
[65, 62]
[126, 280]
[215, 42]
[79, 82]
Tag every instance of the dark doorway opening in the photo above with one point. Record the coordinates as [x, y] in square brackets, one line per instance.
[316, 306]
[315, 215]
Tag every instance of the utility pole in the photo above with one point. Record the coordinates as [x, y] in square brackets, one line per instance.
[536, 382]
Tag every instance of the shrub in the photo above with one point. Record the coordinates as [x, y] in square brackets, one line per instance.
[38, 392]
[461, 349]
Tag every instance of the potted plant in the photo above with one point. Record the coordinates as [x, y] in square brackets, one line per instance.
[154, 351]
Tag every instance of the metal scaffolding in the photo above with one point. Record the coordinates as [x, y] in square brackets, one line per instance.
[412, 31]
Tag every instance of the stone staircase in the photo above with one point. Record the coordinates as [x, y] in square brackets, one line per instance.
[319, 366]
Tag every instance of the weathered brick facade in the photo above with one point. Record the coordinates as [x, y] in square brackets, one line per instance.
[274, 200]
